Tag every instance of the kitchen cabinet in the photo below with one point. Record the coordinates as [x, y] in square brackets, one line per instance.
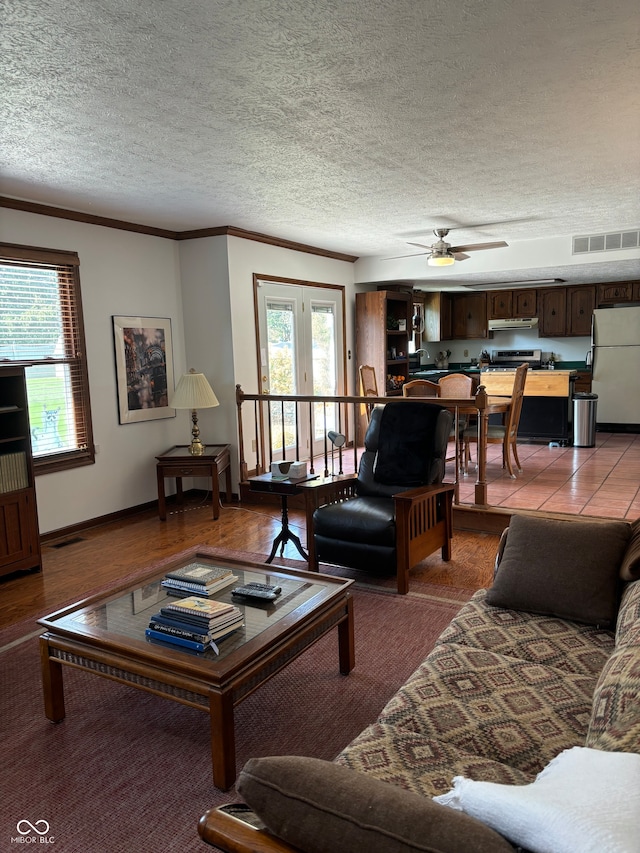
[616, 292]
[636, 291]
[437, 317]
[383, 332]
[581, 301]
[468, 315]
[552, 312]
[547, 403]
[507, 304]
[583, 382]
[19, 534]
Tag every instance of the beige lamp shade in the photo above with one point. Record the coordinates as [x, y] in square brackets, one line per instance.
[193, 392]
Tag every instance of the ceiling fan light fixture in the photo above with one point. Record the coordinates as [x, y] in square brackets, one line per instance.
[441, 260]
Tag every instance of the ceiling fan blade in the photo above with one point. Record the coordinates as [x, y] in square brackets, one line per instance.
[475, 247]
[413, 255]
[460, 256]
[422, 245]
[456, 225]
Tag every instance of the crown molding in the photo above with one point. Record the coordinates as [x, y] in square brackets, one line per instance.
[224, 230]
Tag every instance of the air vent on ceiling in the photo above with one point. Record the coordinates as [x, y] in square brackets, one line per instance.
[606, 242]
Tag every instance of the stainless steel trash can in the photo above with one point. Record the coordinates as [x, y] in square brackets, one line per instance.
[584, 419]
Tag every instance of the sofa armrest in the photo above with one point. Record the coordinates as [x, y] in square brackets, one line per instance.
[234, 833]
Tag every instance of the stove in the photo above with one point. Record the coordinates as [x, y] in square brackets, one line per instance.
[509, 359]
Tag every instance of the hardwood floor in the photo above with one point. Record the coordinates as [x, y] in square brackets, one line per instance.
[77, 565]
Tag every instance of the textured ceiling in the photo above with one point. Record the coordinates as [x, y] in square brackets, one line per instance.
[351, 126]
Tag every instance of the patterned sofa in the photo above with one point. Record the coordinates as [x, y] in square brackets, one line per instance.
[546, 661]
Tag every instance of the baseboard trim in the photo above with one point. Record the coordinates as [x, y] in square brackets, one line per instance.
[109, 518]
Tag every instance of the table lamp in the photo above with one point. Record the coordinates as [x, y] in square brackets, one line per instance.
[194, 392]
[338, 440]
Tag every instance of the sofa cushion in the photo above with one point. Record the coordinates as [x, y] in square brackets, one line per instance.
[630, 568]
[564, 645]
[420, 763]
[496, 707]
[615, 717]
[321, 807]
[584, 800]
[628, 615]
[568, 569]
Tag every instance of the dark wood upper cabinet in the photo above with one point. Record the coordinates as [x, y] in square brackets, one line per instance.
[499, 304]
[616, 291]
[507, 304]
[552, 312]
[580, 304]
[468, 315]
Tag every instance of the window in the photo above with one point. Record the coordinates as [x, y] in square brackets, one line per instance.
[41, 328]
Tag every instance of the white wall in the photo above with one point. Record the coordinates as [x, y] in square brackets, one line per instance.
[120, 273]
[217, 283]
[564, 349]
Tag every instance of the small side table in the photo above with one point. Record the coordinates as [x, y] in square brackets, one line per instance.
[178, 462]
[284, 488]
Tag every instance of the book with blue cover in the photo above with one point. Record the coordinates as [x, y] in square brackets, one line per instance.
[176, 641]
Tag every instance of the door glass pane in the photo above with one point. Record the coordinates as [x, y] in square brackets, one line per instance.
[325, 376]
[281, 371]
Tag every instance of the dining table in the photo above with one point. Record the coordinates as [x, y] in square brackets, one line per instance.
[482, 405]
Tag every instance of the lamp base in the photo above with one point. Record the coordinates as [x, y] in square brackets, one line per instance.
[196, 448]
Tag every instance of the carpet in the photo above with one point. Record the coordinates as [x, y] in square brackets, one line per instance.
[130, 771]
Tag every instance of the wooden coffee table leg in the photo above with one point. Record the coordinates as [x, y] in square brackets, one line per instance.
[346, 642]
[52, 684]
[223, 739]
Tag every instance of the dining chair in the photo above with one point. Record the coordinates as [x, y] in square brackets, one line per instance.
[507, 433]
[420, 388]
[457, 385]
[368, 386]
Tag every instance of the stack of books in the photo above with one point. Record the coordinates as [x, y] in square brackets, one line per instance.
[197, 579]
[195, 623]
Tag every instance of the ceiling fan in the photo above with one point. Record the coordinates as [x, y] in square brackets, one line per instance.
[443, 254]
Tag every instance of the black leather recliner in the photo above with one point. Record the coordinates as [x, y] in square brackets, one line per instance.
[394, 513]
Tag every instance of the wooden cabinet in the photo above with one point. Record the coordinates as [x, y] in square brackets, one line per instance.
[468, 315]
[552, 312]
[616, 291]
[581, 301]
[19, 535]
[437, 317]
[583, 381]
[507, 304]
[383, 332]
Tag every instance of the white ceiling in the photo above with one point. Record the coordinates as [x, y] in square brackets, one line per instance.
[350, 125]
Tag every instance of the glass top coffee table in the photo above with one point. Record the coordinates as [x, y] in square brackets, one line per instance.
[105, 635]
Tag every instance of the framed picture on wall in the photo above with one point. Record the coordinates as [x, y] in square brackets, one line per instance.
[144, 368]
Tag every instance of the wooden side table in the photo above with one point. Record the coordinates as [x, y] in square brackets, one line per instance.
[284, 488]
[178, 462]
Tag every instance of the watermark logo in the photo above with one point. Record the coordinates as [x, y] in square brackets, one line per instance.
[33, 833]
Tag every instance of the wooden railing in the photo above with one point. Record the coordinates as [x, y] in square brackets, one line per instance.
[286, 418]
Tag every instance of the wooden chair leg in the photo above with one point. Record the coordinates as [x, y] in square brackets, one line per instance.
[514, 447]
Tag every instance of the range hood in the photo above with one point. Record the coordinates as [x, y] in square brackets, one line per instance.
[513, 325]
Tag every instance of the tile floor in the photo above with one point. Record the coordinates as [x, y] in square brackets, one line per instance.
[603, 480]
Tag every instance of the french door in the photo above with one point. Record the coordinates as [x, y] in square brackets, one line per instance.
[301, 351]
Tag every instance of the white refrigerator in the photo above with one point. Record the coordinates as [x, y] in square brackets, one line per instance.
[615, 340]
